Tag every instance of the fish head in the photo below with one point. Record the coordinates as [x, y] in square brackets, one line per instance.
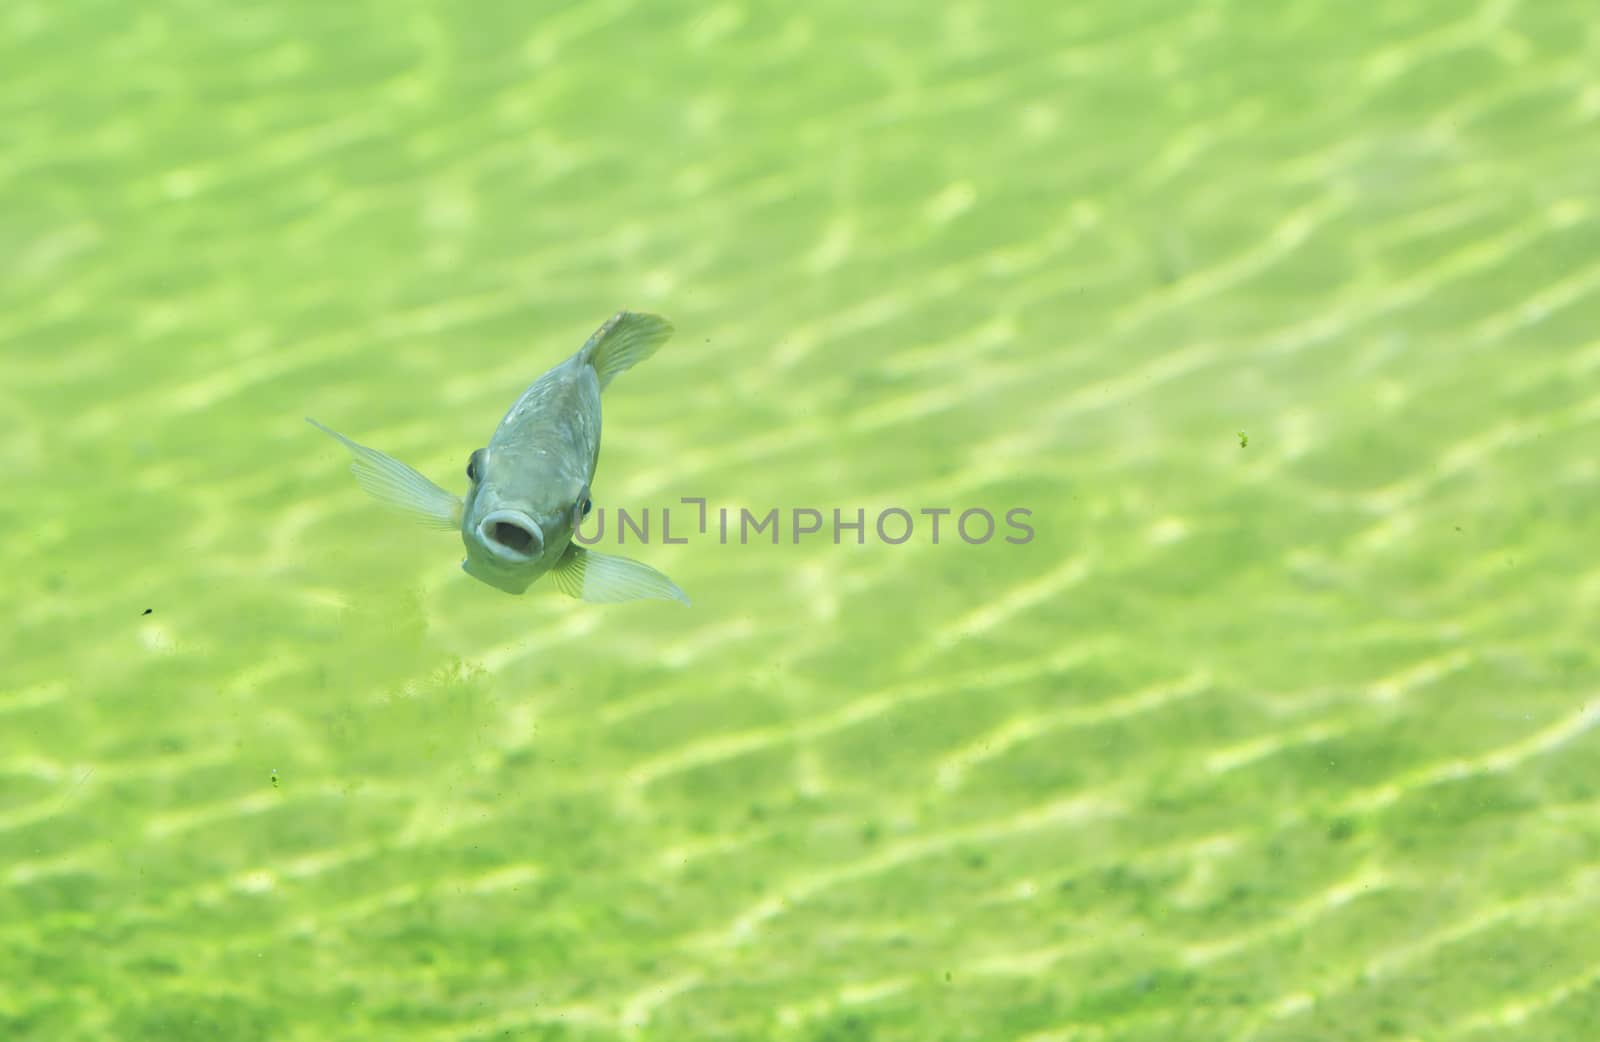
[517, 520]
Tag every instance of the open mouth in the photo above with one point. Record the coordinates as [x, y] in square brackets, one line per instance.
[511, 535]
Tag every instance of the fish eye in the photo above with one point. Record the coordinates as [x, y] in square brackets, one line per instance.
[581, 506]
[474, 466]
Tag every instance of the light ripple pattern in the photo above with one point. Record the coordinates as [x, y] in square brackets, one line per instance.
[1279, 320]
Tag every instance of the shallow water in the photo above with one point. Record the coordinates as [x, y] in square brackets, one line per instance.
[1280, 323]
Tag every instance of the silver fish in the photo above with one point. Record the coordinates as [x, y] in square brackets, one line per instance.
[530, 485]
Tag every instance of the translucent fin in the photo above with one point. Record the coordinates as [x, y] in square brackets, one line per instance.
[603, 579]
[626, 339]
[397, 485]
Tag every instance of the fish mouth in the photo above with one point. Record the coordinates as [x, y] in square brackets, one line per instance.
[511, 536]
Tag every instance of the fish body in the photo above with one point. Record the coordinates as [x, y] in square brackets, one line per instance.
[529, 486]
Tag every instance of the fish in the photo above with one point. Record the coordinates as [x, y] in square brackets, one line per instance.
[529, 487]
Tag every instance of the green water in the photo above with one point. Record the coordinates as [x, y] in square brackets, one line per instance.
[1280, 318]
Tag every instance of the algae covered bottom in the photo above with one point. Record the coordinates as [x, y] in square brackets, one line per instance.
[1273, 324]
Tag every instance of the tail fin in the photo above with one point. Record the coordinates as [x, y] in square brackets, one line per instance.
[626, 339]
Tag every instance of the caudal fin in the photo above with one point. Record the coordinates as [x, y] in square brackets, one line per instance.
[626, 339]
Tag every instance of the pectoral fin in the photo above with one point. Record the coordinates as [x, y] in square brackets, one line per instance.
[397, 485]
[604, 579]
